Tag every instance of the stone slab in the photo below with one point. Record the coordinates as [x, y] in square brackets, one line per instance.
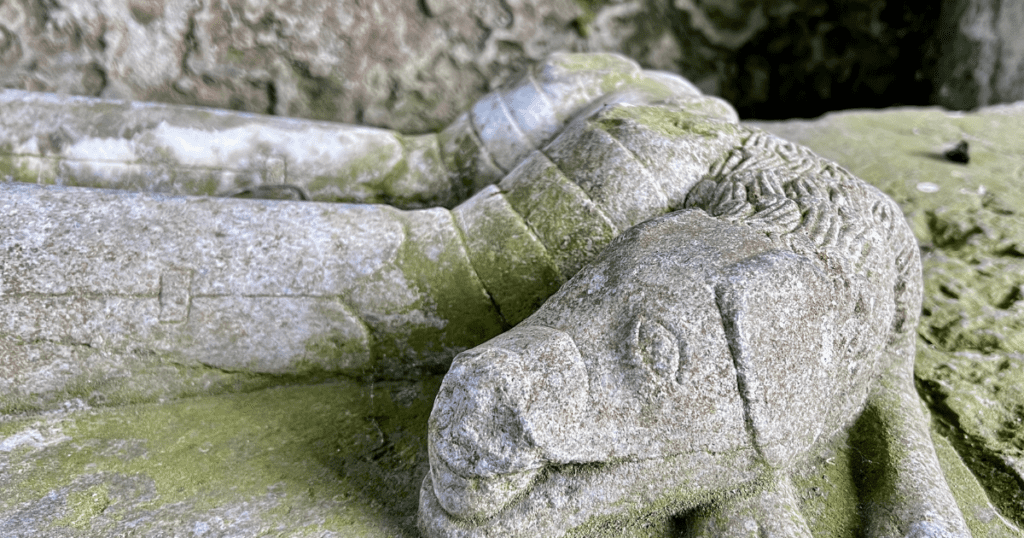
[968, 220]
[309, 461]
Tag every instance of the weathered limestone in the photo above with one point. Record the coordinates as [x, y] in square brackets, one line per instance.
[698, 362]
[61, 140]
[293, 288]
[414, 66]
[980, 54]
[349, 459]
[968, 221]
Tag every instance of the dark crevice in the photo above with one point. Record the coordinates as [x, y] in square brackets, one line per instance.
[1010, 299]
[271, 98]
[505, 325]
[321, 92]
[190, 41]
[846, 54]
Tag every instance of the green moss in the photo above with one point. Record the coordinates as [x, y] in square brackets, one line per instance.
[874, 466]
[827, 493]
[605, 73]
[235, 55]
[17, 169]
[159, 380]
[351, 456]
[433, 259]
[367, 179]
[586, 63]
[588, 12]
[206, 185]
[333, 352]
[83, 506]
[669, 122]
[970, 496]
[512, 263]
[320, 93]
[569, 224]
[977, 404]
[972, 233]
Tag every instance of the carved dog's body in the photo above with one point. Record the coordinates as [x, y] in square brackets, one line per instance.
[703, 353]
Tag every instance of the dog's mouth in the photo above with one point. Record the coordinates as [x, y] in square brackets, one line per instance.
[478, 498]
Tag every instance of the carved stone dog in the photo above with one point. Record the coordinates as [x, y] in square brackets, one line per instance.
[695, 364]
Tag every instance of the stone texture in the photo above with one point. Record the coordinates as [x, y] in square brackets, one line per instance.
[49, 139]
[267, 462]
[100, 285]
[703, 353]
[333, 460]
[414, 66]
[967, 220]
[309, 289]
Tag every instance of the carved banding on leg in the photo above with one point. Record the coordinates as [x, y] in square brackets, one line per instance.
[612, 177]
[572, 227]
[492, 229]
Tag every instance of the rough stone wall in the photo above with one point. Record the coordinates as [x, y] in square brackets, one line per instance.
[981, 54]
[407, 65]
[414, 66]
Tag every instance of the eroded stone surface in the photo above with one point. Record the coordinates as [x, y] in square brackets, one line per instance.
[704, 353]
[333, 460]
[414, 66]
[898, 150]
[967, 220]
[981, 58]
[584, 146]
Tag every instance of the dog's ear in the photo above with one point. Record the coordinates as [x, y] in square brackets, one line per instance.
[778, 313]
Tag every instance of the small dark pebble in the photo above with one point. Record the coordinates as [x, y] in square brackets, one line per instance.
[959, 153]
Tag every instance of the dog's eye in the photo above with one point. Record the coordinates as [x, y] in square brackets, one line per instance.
[658, 349]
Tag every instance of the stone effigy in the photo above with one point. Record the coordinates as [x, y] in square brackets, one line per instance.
[292, 288]
[695, 364]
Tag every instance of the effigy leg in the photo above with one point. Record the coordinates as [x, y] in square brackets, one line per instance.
[77, 141]
[99, 284]
[87, 142]
[286, 288]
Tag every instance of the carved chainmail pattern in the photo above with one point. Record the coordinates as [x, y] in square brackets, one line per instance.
[815, 207]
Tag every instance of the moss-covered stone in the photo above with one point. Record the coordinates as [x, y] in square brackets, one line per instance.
[968, 221]
[340, 458]
[348, 458]
[669, 122]
[567, 221]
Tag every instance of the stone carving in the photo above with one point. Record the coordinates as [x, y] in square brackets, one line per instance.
[292, 288]
[698, 362]
[693, 365]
